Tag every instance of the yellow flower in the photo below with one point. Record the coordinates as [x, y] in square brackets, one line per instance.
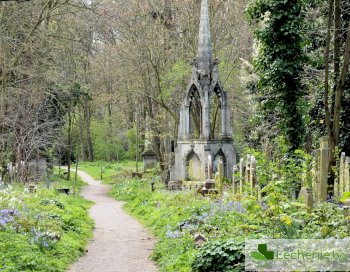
[287, 220]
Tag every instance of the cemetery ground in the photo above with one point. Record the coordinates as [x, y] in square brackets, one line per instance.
[46, 230]
[201, 234]
[42, 229]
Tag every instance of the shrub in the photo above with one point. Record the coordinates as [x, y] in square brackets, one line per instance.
[220, 256]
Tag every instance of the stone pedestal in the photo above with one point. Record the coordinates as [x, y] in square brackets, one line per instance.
[191, 159]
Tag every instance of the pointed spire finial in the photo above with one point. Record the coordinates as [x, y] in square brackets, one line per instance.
[204, 57]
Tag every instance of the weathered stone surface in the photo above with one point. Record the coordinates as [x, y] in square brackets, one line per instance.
[191, 153]
[149, 156]
[241, 175]
[306, 196]
[37, 169]
[323, 171]
[149, 160]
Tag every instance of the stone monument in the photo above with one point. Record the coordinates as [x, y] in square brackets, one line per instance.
[149, 156]
[205, 124]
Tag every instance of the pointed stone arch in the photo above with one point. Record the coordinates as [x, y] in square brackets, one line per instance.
[194, 102]
[224, 119]
[190, 91]
[218, 90]
[219, 155]
[193, 167]
[216, 111]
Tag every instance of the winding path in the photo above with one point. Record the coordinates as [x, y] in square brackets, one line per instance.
[120, 243]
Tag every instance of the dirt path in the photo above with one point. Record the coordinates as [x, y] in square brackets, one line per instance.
[120, 243]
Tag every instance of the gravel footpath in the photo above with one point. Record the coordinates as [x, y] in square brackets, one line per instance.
[120, 243]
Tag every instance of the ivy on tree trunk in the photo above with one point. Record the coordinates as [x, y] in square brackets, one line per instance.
[279, 63]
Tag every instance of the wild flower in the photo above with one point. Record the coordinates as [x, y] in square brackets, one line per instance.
[44, 238]
[7, 216]
[173, 234]
[221, 207]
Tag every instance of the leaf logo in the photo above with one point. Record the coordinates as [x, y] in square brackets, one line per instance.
[263, 254]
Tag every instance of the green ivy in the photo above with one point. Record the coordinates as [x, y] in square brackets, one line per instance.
[279, 63]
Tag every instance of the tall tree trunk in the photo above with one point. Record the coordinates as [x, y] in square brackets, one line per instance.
[69, 147]
[336, 64]
[156, 138]
[88, 133]
[82, 139]
[337, 38]
[326, 76]
[326, 93]
[340, 89]
[110, 131]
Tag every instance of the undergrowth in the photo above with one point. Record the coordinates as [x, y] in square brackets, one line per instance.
[44, 230]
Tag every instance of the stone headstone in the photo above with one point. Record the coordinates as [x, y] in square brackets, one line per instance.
[210, 167]
[306, 196]
[340, 189]
[323, 171]
[347, 175]
[37, 169]
[346, 207]
[252, 175]
[235, 187]
[220, 178]
[149, 156]
[149, 160]
[241, 175]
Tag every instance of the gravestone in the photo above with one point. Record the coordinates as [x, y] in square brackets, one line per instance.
[235, 180]
[241, 176]
[340, 183]
[306, 197]
[37, 169]
[347, 175]
[322, 183]
[149, 156]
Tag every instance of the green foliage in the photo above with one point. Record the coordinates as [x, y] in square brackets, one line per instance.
[107, 147]
[175, 217]
[282, 171]
[326, 221]
[346, 195]
[174, 78]
[111, 171]
[42, 231]
[132, 144]
[280, 63]
[219, 255]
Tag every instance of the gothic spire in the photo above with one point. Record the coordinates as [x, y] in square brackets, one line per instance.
[204, 57]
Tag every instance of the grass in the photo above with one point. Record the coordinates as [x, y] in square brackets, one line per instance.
[44, 230]
[160, 212]
[175, 218]
[109, 172]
